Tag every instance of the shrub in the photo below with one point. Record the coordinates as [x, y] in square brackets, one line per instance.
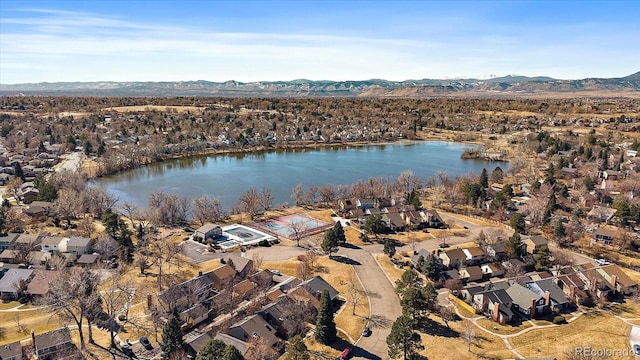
[559, 320]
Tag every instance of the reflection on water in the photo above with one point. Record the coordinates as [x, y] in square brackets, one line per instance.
[226, 176]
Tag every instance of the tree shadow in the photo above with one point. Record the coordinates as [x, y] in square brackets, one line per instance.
[434, 328]
[350, 246]
[344, 260]
[379, 322]
[342, 344]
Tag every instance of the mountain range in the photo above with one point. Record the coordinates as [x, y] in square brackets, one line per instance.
[507, 85]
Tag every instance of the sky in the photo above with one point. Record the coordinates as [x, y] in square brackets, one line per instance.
[162, 40]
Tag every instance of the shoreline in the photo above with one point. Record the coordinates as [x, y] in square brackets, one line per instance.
[87, 167]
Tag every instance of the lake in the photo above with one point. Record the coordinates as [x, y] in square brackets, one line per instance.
[227, 176]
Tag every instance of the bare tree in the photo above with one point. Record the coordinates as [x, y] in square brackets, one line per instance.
[327, 194]
[130, 210]
[168, 209]
[266, 199]
[446, 314]
[259, 349]
[205, 209]
[69, 295]
[164, 253]
[249, 202]
[68, 205]
[98, 200]
[297, 195]
[468, 333]
[355, 295]
[311, 196]
[297, 229]
[257, 261]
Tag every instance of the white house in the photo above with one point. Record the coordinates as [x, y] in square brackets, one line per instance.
[54, 243]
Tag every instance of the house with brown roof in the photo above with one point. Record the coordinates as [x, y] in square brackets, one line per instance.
[393, 220]
[574, 288]
[28, 241]
[244, 289]
[221, 276]
[618, 279]
[474, 255]
[471, 273]
[8, 256]
[534, 243]
[39, 257]
[453, 258]
[39, 284]
[604, 236]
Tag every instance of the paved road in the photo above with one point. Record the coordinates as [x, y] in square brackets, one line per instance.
[72, 162]
[384, 303]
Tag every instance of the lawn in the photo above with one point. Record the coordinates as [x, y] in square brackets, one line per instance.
[388, 267]
[448, 345]
[496, 328]
[39, 320]
[597, 330]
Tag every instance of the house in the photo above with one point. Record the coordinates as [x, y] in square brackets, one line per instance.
[39, 257]
[453, 258]
[254, 327]
[9, 256]
[534, 243]
[365, 204]
[604, 236]
[4, 179]
[468, 292]
[194, 316]
[28, 193]
[618, 279]
[242, 265]
[598, 285]
[316, 285]
[186, 294]
[492, 269]
[415, 259]
[40, 208]
[612, 175]
[569, 173]
[222, 276]
[88, 260]
[525, 301]
[54, 243]
[275, 314]
[574, 288]
[14, 282]
[55, 344]
[207, 232]
[28, 241]
[79, 245]
[346, 205]
[555, 299]
[11, 351]
[496, 250]
[244, 289]
[393, 221]
[497, 303]
[7, 241]
[195, 344]
[601, 214]
[471, 273]
[301, 295]
[39, 284]
[474, 255]
[433, 219]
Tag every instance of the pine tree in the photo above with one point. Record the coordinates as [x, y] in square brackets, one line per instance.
[171, 337]
[514, 246]
[389, 248]
[543, 258]
[403, 341]
[296, 349]
[517, 223]
[329, 242]
[231, 353]
[430, 267]
[325, 324]
[484, 179]
[339, 233]
[213, 350]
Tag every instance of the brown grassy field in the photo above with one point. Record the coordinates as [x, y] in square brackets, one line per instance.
[596, 329]
[390, 269]
[502, 329]
[127, 109]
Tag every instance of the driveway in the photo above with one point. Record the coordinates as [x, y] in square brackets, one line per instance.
[383, 302]
[72, 162]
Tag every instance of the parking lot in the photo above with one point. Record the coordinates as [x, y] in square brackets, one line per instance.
[197, 252]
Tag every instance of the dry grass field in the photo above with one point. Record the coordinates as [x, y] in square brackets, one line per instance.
[502, 329]
[389, 268]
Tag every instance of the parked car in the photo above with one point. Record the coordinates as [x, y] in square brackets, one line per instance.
[127, 350]
[346, 353]
[366, 332]
[146, 343]
[636, 349]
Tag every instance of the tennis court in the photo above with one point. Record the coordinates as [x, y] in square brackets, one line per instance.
[287, 226]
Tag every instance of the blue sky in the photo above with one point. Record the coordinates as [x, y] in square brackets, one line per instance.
[134, 40]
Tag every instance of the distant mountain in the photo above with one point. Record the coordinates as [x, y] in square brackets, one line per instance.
[511, 84]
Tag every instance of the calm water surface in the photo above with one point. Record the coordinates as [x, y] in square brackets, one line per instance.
[227, 176]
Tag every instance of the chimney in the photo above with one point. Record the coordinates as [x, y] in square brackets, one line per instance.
[594, 285]
[547, 301]
[614, 280]
[496, 311]
[149, 301]
[199, 272]
[33, 342]
[533, 308]
[572, 293]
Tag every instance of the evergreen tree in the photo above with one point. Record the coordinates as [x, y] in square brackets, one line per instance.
[213, 350]
[3, 221]
[329, 242]
[430, 267]
[484, 179]
[497, 176]
[374, 224]
[339, 233]
[403, 341]
[514, 247]
[559, 231]
[325, 324]
[588, 183]
[409, 278]
[119, 231]
[296, 349]
[414, 199]
[231, 353]
[543, 258]
[17, 171]
[416, 301]
[171, 337]
[517, 223]
[389, 248]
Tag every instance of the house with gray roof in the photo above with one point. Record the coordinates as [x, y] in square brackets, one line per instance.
[554, 297]
[525, 302]
[7, 241]
[55, 344]
[207, 232]
[254, 327]
[79, 245]
[496, 303]
[11, 351]
[10, 282]
[316, 285]
[28, 241]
